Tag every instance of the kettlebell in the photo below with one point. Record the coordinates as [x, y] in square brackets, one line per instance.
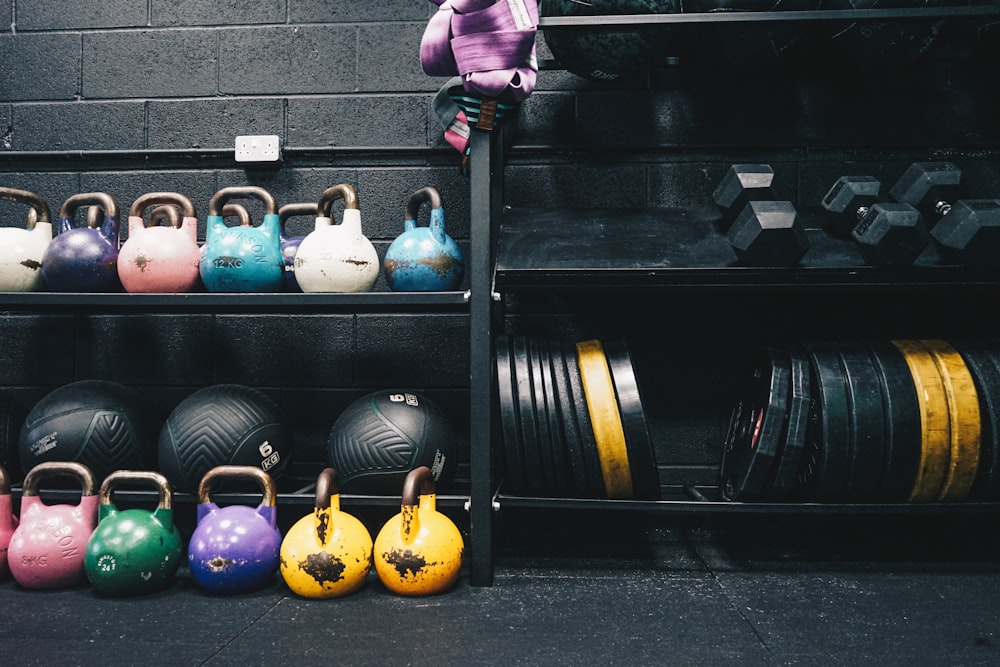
[327, 554]
[234, 549]
[47, 547]
[133, 551]
[240, 212]
[290, 243]
[159, 258]
[337, 258]
[22, 248]
[418, 551]
[424, 259]
[8, 522]
[84, 259]
[242, 258]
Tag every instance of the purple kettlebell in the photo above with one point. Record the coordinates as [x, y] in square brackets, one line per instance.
[84, 259]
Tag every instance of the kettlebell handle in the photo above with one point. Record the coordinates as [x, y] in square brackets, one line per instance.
[4, 482]
[240, 211]
[38, 206]
[332, 194]
[149, 199]
[250, 191]
[168, 212]
[327, 485]
[51, 468]
[426, 194]
[418, 482]
[291, 210]
[118, 476]
[102, 199]
[269, 491]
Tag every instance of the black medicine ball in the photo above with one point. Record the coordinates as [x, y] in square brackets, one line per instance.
[103, 425]
[382, 436]
[223, 424]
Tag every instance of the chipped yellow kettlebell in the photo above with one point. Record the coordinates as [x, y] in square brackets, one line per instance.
[327, 554]
[419, 551]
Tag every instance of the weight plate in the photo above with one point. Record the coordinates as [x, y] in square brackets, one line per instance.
[757, 427]
[541, 414]
[867, 423]
[557, 441]
[791, 453]
[591, 459]
[533, 465]
[509, 417]
[903, 440]
[979, 356]
[963, 412]
[605, 418]
[566, 412]
[935, 426]
[824, 477]
[641, 458]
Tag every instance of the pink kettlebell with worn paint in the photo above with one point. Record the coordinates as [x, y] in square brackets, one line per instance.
[48, 546]
[160, 258]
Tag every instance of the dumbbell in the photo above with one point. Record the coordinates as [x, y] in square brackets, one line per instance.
[964, 231]
[761, 231]
[886, 233]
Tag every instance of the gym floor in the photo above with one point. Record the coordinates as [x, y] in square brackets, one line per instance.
[574, 590]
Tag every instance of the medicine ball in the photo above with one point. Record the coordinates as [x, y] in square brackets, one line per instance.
[607, 54]
[223, 424]
[103, 425]
[382, 436]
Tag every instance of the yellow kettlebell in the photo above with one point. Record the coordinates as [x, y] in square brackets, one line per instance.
[327, 554]
[419, 551]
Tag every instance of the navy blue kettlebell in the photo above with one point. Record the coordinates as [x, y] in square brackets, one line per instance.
[84, 259]
[290, 244]
[241, 258]
[424, 259]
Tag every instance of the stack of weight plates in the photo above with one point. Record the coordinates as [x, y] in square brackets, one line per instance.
[891, 421]
[573, 421]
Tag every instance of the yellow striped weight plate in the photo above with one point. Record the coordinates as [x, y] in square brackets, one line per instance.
[963, 411]
[605, 419]
[935, 425]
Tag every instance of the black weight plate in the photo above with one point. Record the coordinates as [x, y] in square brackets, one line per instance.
[566, 413]
[591, 458]
[867, 424]
[557, 441]
[509, 416]
[757, 427]
[642, 460]
[541, 413]
[523, 394]
[903, 440]
[981, 358]
[791, 454]
[824, 477]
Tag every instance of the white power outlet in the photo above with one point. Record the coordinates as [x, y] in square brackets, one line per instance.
[258, 148]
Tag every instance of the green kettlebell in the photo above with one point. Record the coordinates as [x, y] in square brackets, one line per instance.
[133, 551]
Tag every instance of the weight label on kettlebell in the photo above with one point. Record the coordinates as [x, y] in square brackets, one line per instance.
[225, 262]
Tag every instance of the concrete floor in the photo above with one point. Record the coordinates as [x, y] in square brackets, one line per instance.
[579, 590]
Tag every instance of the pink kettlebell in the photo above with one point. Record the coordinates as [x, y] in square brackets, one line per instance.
[48, 546]
[160, 258]
[8, 522]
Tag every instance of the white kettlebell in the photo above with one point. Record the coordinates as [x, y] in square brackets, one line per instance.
[22, 248]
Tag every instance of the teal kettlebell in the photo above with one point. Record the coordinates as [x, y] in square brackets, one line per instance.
[243, 258]
[424, 259]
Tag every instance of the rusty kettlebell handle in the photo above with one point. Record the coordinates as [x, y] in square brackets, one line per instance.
[140, 205]
[290, 210]
[239, 211]
[39, 207]
[427, 194]
[248, 191]
[4, 482]
[270, 494]
[327, 485]
[168, 212]
[101, 199]
[332, 194]
[418, 482]
[51, 468]
[161, 482]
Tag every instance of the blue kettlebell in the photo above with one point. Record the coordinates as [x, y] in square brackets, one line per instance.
[84, 259]
[290, 244]
[242, 258]
[424, 259]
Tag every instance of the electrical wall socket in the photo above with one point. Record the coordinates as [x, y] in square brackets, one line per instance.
[258, 148]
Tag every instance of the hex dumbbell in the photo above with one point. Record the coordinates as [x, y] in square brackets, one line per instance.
[886, 233]
[964, 231]
[761, 231]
